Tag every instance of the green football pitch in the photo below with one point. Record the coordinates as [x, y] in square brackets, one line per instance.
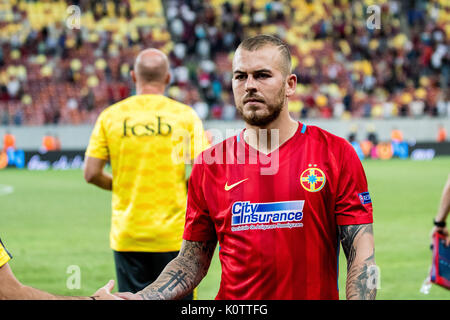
[52, 221]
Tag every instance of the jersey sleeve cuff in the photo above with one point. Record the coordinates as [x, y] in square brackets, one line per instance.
[344, 220]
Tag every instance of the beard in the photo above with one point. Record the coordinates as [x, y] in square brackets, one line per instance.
[256, 116]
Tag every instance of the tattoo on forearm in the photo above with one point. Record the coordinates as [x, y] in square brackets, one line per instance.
[177, 278]
[359, 273]
[359, 285]
[183, 273]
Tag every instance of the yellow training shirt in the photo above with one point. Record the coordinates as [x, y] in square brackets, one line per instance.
[147, 139]
[4, 255]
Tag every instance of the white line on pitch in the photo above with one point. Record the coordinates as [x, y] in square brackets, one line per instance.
[5, 189]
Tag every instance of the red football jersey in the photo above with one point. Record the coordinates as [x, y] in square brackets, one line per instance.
[276, 216]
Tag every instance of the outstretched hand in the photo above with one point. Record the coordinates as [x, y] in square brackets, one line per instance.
[128, 296]
[104, 293]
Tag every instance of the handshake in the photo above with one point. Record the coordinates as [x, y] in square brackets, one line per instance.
[104, 293]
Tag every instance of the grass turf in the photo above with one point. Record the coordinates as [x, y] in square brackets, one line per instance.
[54, 220]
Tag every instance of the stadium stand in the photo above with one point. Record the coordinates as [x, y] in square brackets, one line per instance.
[52, 74]
[345, 69]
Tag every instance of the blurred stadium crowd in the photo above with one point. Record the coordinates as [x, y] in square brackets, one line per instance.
[53, 71]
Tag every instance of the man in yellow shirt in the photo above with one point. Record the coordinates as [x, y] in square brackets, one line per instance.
[148, 139]
[12, 289]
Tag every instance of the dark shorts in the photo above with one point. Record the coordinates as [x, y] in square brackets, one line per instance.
[136, 270]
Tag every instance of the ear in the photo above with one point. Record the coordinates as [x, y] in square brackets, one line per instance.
[291, 84]
[168, 77]
[133, 76]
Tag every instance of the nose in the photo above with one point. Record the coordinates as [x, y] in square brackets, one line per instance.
[250, 84]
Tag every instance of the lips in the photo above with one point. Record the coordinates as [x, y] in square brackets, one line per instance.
[252, 100]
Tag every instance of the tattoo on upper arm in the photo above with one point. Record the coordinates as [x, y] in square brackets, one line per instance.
[359, 285]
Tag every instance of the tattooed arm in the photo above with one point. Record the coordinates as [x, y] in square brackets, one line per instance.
[358, 244]
[181, 275]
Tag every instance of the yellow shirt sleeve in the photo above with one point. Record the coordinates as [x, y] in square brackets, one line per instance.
[4, 255]
[98, 146]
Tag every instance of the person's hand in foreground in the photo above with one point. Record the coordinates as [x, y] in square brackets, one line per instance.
[128, 296]
[104, 293]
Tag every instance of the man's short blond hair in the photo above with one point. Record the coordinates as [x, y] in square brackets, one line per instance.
[260, 41]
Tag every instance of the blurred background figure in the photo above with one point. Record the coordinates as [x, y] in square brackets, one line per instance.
[372, 135]
[396, 135]
[367, 145]
[57, 143]
[139, 137]
[352, 136]
[48, 142]
[440, 224]
[442, 134]
[9, 141]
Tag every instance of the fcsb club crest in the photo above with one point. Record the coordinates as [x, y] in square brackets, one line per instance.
[312, 179]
